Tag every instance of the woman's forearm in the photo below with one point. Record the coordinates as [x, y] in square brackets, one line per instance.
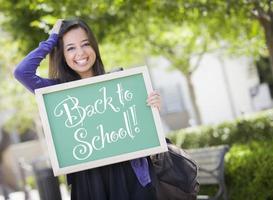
[25, 71]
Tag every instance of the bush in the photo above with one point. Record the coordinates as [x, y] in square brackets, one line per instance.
[257, 127]
[249, 171]
[248, 164]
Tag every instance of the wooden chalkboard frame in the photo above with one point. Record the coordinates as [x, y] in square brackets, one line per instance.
[105, 161]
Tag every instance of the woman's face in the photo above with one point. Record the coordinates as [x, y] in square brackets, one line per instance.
[78, 53]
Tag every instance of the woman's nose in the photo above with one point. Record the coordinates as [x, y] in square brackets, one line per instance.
[80, 52]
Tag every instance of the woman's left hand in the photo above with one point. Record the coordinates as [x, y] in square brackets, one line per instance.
[154, 100]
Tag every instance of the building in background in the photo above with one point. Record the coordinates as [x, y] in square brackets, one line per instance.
[225, 88]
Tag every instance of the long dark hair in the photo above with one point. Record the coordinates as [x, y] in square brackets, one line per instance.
[58, 68]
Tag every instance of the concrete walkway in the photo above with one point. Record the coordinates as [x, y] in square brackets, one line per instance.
[34, 195]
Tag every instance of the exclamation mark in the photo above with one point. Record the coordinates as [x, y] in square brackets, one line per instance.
[128, 123]
[134, 117]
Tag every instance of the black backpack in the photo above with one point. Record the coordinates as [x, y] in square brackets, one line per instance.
[176, 175]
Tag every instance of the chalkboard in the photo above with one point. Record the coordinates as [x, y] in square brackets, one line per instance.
[100, 120]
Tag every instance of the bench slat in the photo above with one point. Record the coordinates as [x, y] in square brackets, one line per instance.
[207, 180]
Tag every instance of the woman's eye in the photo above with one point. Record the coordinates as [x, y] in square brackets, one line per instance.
[86, 44]
[70, 48]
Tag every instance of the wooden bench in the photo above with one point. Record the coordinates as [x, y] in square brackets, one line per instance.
[211, 169]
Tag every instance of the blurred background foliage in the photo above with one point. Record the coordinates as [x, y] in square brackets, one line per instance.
[248, 171]
[129, 31]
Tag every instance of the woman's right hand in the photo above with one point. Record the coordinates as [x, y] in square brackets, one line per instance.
[56, 27]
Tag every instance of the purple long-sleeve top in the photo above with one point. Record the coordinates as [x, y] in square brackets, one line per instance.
[25, 73]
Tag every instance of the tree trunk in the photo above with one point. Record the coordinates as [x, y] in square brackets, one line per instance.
[268, 30]
[193, 99]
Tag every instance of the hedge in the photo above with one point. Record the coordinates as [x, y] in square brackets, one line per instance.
[249, 173]
[256, 127]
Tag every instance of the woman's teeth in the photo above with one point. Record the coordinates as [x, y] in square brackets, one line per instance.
[81, 62]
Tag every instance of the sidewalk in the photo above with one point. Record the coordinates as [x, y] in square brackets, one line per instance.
[34, 195]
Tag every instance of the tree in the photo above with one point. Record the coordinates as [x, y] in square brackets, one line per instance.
[245, 26]
[261, 11]
[184, 46]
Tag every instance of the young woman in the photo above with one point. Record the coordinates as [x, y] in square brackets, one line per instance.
[74, 54]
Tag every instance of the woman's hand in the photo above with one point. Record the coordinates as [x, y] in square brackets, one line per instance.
[154, 100]
[56, 27]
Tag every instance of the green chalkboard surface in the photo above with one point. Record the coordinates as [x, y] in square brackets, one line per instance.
[100, 120]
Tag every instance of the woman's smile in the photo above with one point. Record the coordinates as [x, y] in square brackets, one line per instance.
[82, 62]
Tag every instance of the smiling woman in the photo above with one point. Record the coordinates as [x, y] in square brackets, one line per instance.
[74, 55]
